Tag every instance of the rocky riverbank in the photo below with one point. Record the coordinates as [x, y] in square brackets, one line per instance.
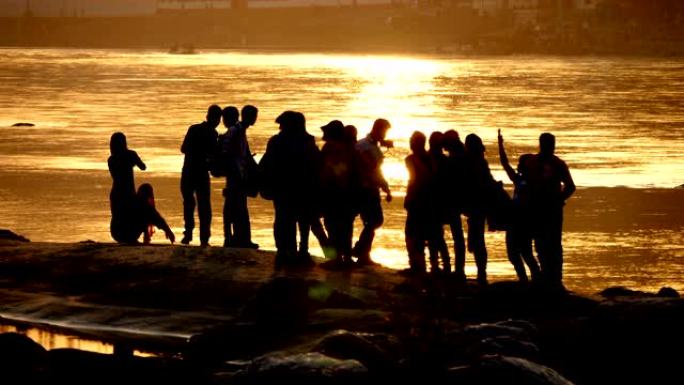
[224, 316]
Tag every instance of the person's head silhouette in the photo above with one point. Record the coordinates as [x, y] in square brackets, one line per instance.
[249, 115]
[334, 130]
[474, 146]
[452, 142]
[146, 194]
[417, 142]
[285, 120]
[436, 142]
[230, 116]
[379, 130]
[298, 122]
[547, 144]
[214, 115]
[350, 133]
[117, 143]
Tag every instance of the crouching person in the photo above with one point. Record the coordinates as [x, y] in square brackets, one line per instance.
[142, 219]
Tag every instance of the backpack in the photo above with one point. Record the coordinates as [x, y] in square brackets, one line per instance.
[500, 208]
[218, 159]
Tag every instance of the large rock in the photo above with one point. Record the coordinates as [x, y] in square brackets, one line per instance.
[507, 346]
[621, 291]
[632, 340]
[371, 349]
[499, 369]
[511, 338]
[303, 369]
[492, 330]
[8, 235]
[17, 349]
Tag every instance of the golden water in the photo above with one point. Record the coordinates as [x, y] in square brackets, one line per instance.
[618, 122]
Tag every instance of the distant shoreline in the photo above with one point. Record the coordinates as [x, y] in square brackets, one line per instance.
[371, 30]
[434, 52]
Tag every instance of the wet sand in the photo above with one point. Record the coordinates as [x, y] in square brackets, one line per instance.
[613, 236]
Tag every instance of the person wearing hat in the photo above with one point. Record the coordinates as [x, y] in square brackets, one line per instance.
[290, 171]
[339, 184]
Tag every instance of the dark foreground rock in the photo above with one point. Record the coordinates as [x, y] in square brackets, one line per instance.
[22, 361]
[499, 369]
[8, 235]
[225, 316]
[305, 369]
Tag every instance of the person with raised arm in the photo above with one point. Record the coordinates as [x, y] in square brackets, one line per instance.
[519, 233]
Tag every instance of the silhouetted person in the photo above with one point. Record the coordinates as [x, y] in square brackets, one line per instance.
[417, 202]
[550, 186]
[198, 146]
[438, 213]
[234, 145]
[339, 183]
[290, 167]
[142, 219]
[351, 133]
[372, 181]
[519, 233]
[230, 117]
[456, 186]
[121, 197]
[479, 191]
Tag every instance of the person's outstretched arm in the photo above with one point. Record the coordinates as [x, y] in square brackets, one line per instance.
[504, 160]
[138, 162]
[160, 223]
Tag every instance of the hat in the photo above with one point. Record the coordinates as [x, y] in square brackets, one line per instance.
[333, 130]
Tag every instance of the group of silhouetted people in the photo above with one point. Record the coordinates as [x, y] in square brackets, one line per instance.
[343, 180]
[335, 183]
[451, 178]
[133, 212]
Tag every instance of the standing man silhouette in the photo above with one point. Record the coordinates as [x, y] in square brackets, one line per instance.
[372, 180]
[550, 185]
[237, 229]
[199, 144]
